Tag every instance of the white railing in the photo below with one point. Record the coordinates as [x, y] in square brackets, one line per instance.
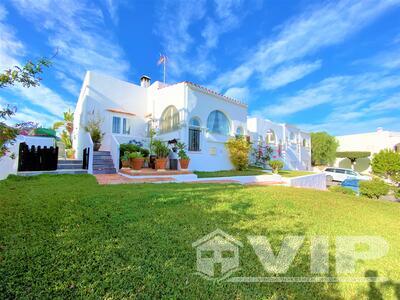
[115, 152]
[88, 144]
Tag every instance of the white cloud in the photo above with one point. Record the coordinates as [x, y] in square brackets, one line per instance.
[335, 91]
[78, 31]
[241, 94]
[189, 51]
[287, 74]
[43, 98]
[303, 36]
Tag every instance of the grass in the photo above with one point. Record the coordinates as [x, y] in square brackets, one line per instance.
[229, 173]
[285, 173]
[67, 237]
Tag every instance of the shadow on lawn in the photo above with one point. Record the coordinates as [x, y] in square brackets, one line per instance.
[135, 241]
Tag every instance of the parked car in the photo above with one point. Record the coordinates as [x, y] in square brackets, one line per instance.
[341, 174]
[353, 184]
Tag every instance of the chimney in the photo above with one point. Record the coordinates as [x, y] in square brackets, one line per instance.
[145, 81]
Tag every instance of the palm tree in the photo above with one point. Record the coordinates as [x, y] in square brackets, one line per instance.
[67, 123]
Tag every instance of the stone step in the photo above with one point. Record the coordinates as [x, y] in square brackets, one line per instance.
[69, 166]
[70, 161]
[55, 172]
[102, 157]
[97, 153]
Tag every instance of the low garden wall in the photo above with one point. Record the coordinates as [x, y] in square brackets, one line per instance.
[313, 181]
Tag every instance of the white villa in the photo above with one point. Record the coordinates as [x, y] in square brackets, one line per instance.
[370, 142]
[203, 119]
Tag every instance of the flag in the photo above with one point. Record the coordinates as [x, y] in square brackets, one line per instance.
[162, 59]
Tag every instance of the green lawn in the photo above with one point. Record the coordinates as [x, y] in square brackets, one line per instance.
[229, 173]
[67, 237]
[294, 173]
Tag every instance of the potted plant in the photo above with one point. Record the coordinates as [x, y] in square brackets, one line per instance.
[162, 151]
[93, 127]
[152, 157]
[136, 160]
[125, 160]
[70, 153]
[183, 157]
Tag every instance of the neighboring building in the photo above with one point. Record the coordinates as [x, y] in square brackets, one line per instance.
[289, 144]
[371, 142]
[201, 118]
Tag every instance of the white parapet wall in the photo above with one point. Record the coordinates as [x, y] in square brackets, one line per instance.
[313, 181]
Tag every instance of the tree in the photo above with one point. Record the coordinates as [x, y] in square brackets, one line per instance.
[68, 124]
[353, 156]
[323, 148]
[26, 75]
[386, 163]
[239, 149]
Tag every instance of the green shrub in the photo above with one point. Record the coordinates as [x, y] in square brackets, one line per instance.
[182, 153]
[160, 149]
[386, 163]
[239, 150]
[135, 155]
[132, 148]
[398, 193]
[373, 188]
[276, 165]
[341, 190]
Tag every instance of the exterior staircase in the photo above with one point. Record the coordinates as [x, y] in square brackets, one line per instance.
[102, 163]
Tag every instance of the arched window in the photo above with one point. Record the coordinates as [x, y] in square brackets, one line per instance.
[169, 119]
[218, 122]
[194, 122]
[194, 134]
[270, 137]
[239, 131]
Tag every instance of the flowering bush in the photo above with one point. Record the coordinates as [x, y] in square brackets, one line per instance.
[239, 150]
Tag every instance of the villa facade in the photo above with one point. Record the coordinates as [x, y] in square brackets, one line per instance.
[203, 119]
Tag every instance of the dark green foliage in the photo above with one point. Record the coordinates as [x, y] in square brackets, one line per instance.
[133, 148]
[160, 149]
[27, 75]
[341, 190]
[66, 237]
[373, 188]
[386, 163]
[353, 155]
[323, 148]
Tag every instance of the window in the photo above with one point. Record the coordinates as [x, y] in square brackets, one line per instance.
[121, 125]
[304, 143]
[217, 122]
[270, 137]
[169, 119]
[340, 171]
[116, 125]
[239, 131]
[194, 134]
[292, 137]
[351, 173]
[126, 128]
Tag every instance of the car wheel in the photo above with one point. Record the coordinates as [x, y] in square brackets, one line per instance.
[329, 180]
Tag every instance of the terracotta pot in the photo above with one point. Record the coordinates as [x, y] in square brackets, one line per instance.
[161, 163]
[96, 146]
[125, 163]
[184, 163]
[137, 163]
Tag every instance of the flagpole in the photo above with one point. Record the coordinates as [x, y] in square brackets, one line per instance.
[164, 70]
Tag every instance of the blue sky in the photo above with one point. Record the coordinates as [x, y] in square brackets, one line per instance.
[323, 65]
